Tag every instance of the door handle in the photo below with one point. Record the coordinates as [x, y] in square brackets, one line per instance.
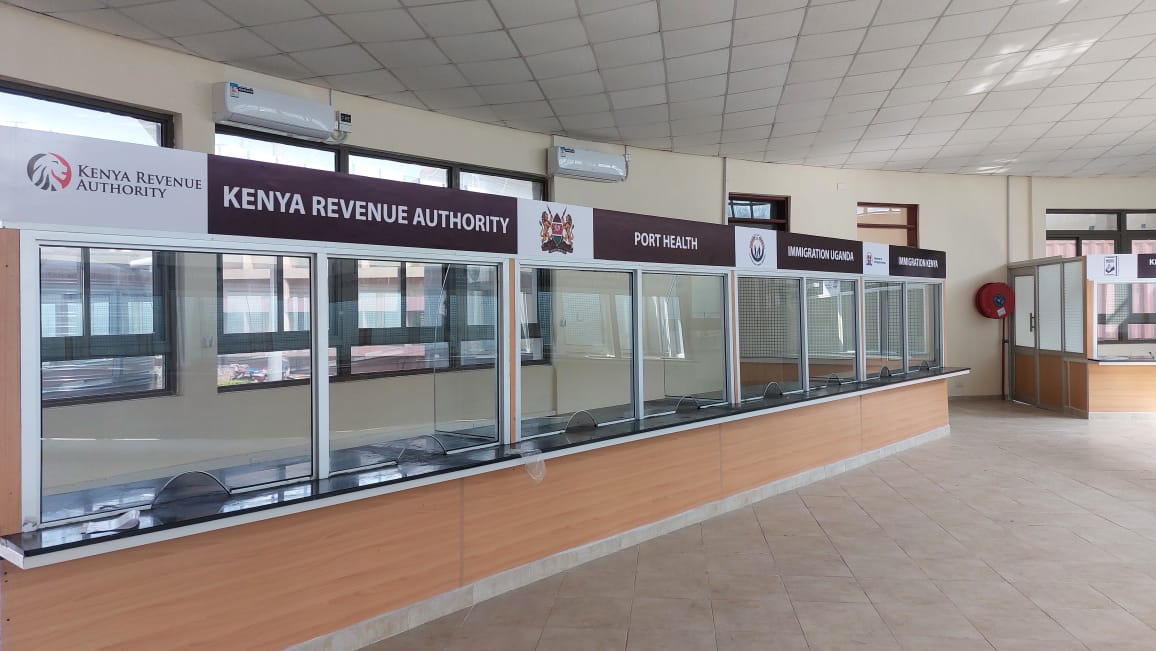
[1032, 322]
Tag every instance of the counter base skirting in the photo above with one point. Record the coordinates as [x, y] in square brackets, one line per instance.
[398, 621]
[1143, 416]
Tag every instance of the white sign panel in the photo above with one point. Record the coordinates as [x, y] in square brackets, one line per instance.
[756, 248]
[48, 178]
[1112, 268]
[555, 230]
[876, 260]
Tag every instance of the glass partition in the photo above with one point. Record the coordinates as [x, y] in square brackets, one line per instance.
[831, 340]
[1126, 320]
[414, 348]
[883, 328]
[684, 341]
[769, 342]
[134, 346]
[1074, 307]
[583, 321]
[924, 347]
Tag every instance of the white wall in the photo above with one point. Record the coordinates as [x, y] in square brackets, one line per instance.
[967, 216]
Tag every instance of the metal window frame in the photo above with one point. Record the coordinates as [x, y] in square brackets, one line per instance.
[163, 119]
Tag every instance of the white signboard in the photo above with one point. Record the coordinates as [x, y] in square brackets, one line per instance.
[756, 248]
[876, 260]
[1112, 268]
[48, 178]
[555, 230]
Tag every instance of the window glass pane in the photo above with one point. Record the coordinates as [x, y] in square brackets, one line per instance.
[893, 215]
[61, 292]
[504, 185]
[46, 115]
[768, 335]
[684, 340]
[1141, 221]
[1143, 246]
[101, 377]
[415, 346]
[831, 345]
[533, 314]
[923, 327]
[1074, 307]
[1097, 247]
[1081, 222]
[883, 323]
[1049, 290]
[267, 151]
[249, 293]
[296, 294]
[589, 367]
[394, 170]
[107, 455]
[1062, 248]
[120, 292]
[1126, 319]
[1025, 307]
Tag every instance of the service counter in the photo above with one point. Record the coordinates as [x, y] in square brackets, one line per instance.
[293, 407]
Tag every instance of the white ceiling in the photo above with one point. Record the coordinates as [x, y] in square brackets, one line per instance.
[1032, 87]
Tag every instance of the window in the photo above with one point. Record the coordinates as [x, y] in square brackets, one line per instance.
[831, 342]
[1076, 233]
[586, 316]
[924, 344]
[771, 212]
[888, 223]
[29, 108]
[284, 150]
[399, 329]
[125, 321]
[264, 320]
[683, 336]
[769, 342]
[1125, 314]
[883, 325]
[104, 324]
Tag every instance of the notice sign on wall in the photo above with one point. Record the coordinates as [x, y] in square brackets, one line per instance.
[813, 253]
[267, 200]
[642, 238]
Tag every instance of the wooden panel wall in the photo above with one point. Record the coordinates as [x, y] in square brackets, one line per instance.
[1077, 395]
[271, 584]
[758, 451]
[1121, 388]
[1051, 381]
[1024, 386]
[892, 416]
[9, 381]
[260, 586]
[510, 520]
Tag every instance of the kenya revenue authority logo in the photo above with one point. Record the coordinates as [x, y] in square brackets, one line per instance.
[49, 172]
[758, 249]
[557, 232]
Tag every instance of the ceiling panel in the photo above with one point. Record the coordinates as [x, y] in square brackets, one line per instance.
[971, 86]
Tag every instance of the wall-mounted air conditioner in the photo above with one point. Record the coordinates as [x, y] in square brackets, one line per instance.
[585, 164]
[242, 105]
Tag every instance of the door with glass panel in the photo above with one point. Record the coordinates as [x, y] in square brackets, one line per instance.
[1024, 375]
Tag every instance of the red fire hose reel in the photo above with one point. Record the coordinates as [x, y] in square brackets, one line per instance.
[995, 300]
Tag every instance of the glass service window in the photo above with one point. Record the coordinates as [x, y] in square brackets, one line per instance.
[101, 456]
[1126, 315]
[415, 348]
[266, 150]
[883, 328]
[684, 339]
[75, 118]
[503, 185]
[924, 345]
[756, 210]
[587, 318]
[396, 170]
[769, 342]
[831, 340]
[888, 223]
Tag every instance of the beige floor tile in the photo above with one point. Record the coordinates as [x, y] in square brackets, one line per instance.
[1018, 626]
[825, 588]
[835, 621]
[903, 591]
[760, 641]
[767, 615]
[621, 562]
[433, 636]
[650, 639]
[746, 586]
[1009, 644]
[671, 614]
[495, 638]
[687, 539]
[690, 586]
[672, 563]
[582, 639]
[589, 612]
[810, 565]
[928, 621]
[958, 569]
[920, 643]
[587, 584]
[1103, 626]
[1065, 595]
[984, 595]
[758, 563]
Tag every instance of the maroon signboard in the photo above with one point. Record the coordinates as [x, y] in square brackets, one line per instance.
[813, 253]
[266, 200]
[917, 263]
[1146, 265]
[642, 238]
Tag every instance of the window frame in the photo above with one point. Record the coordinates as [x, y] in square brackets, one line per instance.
[912, 225]
[1121, 235]
[783, 224]
[164, 120]
[161, 342]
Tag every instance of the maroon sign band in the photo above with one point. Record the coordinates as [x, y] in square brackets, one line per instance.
[814, 253]
[1146, 265]
[643, 238]
[918, 263]
[266, 200]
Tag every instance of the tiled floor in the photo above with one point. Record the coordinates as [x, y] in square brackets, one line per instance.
[1023, 530]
